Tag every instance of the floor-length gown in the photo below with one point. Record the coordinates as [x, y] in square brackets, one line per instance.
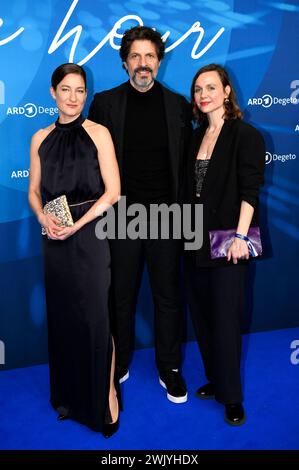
[77, 280]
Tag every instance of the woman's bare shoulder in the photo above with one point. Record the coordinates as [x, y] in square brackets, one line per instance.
[42, 133]
[93, 126]
[96, 131]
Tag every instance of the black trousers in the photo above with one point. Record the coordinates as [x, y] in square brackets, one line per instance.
[216, 302]
[163, 263]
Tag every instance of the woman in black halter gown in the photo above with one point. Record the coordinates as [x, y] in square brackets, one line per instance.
[75, 157]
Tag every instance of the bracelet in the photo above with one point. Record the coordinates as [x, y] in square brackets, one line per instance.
[251, 248]
[242, 237]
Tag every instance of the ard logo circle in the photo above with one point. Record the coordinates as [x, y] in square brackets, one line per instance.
[267, 101]
[268, 158]
[30, 110]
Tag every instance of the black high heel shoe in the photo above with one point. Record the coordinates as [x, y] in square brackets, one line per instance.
[110, 429]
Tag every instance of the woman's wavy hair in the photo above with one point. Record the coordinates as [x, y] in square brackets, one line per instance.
[231, 107]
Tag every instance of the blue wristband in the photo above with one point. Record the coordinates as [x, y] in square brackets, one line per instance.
[242, 237]
[251, 248]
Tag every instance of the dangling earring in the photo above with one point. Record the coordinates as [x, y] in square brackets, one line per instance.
[226, 101]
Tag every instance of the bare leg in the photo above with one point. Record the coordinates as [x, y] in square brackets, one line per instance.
[113, 401]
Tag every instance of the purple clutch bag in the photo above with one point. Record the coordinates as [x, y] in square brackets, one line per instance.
[220, 241]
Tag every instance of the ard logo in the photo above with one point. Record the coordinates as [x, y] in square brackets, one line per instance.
[2, 353]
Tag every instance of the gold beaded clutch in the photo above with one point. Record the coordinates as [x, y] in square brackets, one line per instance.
[59, 208]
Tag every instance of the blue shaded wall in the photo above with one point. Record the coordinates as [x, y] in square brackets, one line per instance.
[255, 40]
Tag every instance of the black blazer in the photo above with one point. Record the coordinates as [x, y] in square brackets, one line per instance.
[109, 109]
[235, 174]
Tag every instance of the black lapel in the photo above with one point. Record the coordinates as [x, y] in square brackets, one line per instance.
[175, 123]
[118, 114]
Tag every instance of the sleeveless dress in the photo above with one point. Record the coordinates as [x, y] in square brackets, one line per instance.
[77, 281]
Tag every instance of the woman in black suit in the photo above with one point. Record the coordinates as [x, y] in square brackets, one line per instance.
[225, 172]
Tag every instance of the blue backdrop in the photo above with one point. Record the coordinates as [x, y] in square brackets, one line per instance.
[255, 40]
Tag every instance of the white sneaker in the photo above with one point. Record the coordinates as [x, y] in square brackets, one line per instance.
[175, 386]
[124, 376]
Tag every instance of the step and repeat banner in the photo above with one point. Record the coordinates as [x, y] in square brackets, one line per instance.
[257, 41]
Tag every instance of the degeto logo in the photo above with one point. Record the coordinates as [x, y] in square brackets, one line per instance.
[266, 101]
[30, 110]
[283, 158]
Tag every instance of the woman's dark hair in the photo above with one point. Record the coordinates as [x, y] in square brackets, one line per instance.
[141, 33]
[231, 107]
[64, 70]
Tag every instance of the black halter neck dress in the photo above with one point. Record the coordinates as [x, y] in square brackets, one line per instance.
[77, 281]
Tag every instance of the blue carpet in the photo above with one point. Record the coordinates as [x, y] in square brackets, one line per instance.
[150, 421]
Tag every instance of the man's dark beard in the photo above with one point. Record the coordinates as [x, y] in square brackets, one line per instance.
[143, 82]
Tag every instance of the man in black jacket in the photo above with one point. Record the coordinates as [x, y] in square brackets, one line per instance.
[150, 127]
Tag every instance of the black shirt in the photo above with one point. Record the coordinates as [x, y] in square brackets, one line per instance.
[146, 169]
